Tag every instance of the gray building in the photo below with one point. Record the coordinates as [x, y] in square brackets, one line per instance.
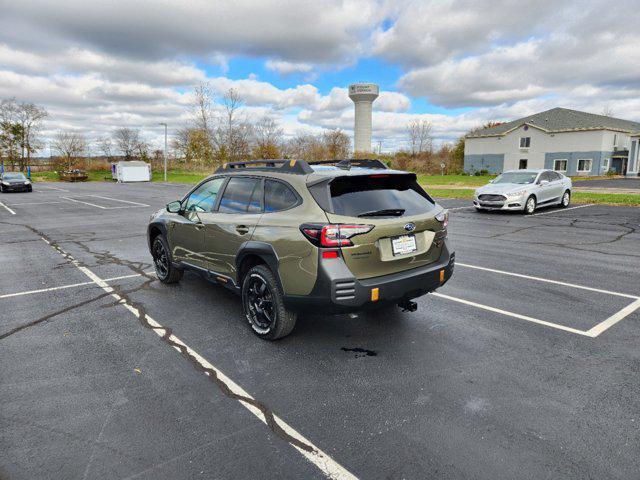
[569, 141]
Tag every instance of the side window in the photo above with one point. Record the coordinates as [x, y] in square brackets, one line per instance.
[242, 195]
[278, 196]
[555, 176]
[544, 176]
[203, 198]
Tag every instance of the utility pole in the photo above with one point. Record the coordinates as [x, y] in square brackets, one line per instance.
[164, 152]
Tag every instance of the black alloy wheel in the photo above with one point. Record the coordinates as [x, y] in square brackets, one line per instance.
[160, 259]
[260, 308]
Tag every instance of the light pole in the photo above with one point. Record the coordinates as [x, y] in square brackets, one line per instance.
[164, 153]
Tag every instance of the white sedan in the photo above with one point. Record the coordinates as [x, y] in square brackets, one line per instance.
[524, 190]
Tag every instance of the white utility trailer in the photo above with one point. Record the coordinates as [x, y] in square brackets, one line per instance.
[132, 171]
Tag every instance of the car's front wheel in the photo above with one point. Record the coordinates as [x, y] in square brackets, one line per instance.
[566, 199]
[165, 270]
[263, 304]
[530, 206]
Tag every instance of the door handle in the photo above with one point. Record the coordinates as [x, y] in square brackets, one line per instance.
[242, 229]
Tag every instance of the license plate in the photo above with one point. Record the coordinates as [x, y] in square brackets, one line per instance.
[403, 244]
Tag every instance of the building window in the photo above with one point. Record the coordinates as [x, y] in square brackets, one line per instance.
[560, 165]
[605, 164]
[525, 142]
[523, 164]
[584, 165]
[615, 139]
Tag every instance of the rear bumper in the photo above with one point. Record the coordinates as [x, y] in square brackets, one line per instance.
[338, 291]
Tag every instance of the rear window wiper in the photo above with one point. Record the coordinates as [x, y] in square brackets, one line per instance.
[388, 212]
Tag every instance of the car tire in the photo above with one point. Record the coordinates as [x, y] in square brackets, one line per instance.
[263, 304]
[566, 199]
[530, 205]
[166, 271]
[1, 189]
[30, 189]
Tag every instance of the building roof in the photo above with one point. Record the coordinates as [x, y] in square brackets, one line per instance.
[561, 120]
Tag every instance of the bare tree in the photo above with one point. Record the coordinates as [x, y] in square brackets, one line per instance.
[128, 142]
[233, 133]
[70, 146]
[105, 146]
[203, 101]
[22, 121]
[267, 138]
[420, 139]
[337, 144]
[607, 111]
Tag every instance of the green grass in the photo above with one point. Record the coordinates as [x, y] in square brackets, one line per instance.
[457, 180]
[628, 199]
[450, 192]
[179, 176]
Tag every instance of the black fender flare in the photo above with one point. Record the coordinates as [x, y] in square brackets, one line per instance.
[157, 225]
[261, 249]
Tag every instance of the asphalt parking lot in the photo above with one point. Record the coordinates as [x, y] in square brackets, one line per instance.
[525, 365]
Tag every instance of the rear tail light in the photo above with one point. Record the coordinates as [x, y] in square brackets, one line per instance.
[333, 235]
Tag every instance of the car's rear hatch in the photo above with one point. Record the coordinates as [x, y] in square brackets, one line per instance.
[405, 232]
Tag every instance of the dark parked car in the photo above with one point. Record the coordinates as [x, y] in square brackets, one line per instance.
[14, 182]
[289, 236]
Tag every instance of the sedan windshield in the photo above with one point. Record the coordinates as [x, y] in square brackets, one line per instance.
[516, 177]
[13, 176]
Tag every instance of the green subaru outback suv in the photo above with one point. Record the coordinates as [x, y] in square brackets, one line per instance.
[292, 236]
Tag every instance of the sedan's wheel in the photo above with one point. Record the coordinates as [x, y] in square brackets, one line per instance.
[263, 304]
[566, 199]
[1, 189]
[530, 206]
[165, 271]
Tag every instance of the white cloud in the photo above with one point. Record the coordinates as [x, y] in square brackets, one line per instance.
[288, 68]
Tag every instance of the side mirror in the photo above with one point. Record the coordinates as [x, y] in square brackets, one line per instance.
[174, 207]
[543, 182]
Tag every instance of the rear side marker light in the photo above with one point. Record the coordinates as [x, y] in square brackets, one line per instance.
[375, 294]
[441, 276]
[330, 254]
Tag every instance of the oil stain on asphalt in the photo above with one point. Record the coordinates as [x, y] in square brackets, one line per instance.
[360, 352]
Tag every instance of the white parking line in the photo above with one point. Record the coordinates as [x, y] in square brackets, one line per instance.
[613, 319]
[327, 465]
[592, 332]
[33, 203]
[118, 200]
[512, 314]
[135, 204]
[546, 280]
[8, 209]
[72, 285]
[53, 188]
[560, 211]
[86, 203]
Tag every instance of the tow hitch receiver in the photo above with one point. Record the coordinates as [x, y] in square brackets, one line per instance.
[408, 306]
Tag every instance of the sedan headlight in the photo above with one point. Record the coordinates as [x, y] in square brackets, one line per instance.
[27, 182]
[5, 183]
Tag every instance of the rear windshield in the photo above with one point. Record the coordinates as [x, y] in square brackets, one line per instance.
[379, 196]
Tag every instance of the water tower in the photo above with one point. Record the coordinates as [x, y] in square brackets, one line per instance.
[363, 95]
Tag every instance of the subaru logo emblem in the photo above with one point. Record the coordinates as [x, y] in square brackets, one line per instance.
[410, 227]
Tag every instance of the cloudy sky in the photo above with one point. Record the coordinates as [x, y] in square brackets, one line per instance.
[97, 65]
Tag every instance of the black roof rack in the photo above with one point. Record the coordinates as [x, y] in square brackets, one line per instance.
[299, 167]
